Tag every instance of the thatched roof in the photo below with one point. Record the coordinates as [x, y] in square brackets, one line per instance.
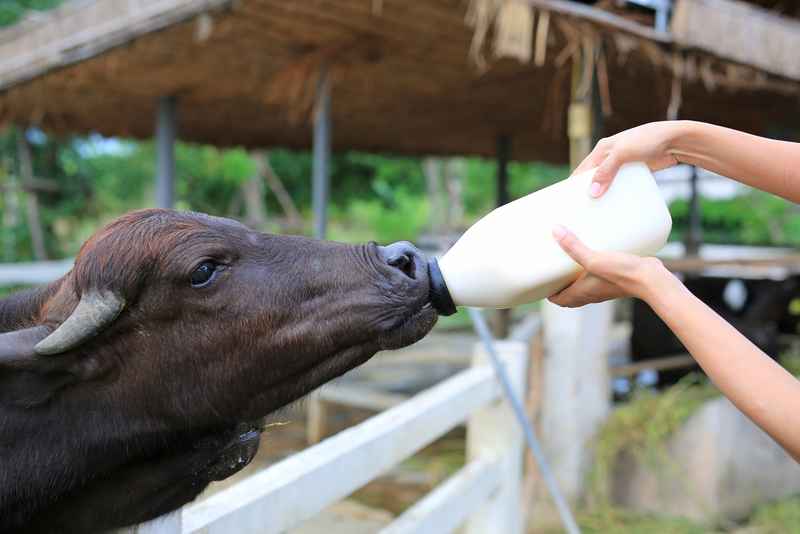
[408, 77]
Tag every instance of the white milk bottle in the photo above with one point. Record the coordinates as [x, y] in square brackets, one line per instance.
[509, 257]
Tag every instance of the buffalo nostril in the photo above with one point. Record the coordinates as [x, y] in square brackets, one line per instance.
[404, 257]
[404, 263]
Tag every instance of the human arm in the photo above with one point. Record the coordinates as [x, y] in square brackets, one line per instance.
[766, 164]
[754, 382]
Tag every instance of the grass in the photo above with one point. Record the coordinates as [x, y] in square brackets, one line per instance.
[781, 517]
[616, 521]
[641, 427]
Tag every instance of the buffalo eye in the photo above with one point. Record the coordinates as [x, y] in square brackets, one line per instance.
[204, 274]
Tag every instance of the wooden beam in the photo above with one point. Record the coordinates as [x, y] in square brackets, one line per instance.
[602, 18]
[679, 361]
[790, 261]
[63, 37]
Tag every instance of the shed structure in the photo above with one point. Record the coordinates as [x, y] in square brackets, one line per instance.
[516, 79]
[422, 77]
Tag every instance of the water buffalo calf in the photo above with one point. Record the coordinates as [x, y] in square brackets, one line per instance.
[130, 383]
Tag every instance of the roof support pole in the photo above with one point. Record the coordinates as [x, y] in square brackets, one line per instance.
[501, 319]
[166, 131]
[503, 155]
[695, 234]
[316, 409]
[576, 341]
[322, 154]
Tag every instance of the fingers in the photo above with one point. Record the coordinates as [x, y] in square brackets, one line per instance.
[587, 289]
[572, 245]
[605, 175]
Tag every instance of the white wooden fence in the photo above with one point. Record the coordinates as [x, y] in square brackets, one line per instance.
[484, 495]
[32, 273]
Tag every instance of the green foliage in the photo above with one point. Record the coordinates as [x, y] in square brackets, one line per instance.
[11, 11]
[523, 178]
[756, 218]
[401, 219]
[782, 517]
[373, 197]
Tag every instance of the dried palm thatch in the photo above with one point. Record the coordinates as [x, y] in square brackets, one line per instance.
[741, 32]
[423, 77]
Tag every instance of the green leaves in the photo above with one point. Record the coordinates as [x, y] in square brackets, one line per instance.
[11, 11]
[756, 218]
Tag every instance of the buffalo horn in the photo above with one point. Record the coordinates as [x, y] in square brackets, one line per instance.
[95, 311]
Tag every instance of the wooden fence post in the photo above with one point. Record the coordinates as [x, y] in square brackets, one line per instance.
[316, 418]
[576, 393]
[493, 433]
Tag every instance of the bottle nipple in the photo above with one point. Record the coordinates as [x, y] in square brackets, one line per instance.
[439, 294]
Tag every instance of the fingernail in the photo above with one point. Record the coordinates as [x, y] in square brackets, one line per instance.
[595, 189]
[559, 231]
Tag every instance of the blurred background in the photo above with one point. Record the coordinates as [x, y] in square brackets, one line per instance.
[384, 120]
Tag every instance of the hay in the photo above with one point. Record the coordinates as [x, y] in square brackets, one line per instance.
[513, 36]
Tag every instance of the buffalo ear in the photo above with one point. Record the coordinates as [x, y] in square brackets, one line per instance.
[28, 379]
[18, 348]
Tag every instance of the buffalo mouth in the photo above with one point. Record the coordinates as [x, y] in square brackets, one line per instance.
[411, 328]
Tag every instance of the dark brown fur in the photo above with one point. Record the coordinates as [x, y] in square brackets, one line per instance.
[138, 420]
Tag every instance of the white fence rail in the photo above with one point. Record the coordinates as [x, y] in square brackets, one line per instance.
[32, 273]
[484, 494]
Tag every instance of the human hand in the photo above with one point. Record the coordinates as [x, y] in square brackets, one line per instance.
[606, 275]
[650, 143]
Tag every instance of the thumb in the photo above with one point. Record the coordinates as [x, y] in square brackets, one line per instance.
[604, 175]
[572, 245]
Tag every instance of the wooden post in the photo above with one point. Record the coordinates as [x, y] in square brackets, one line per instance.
[166, 131]
[31, 199]
[322, 153]
[494, 434]
[316, 419]
[11, 210]
[500, 320]
[433, 168]
[576, 391]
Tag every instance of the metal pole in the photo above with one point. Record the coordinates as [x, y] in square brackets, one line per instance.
[519, 412]
[501, 319]
[166, 131]
[322, 154]
[503, 155]
[695, 231]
